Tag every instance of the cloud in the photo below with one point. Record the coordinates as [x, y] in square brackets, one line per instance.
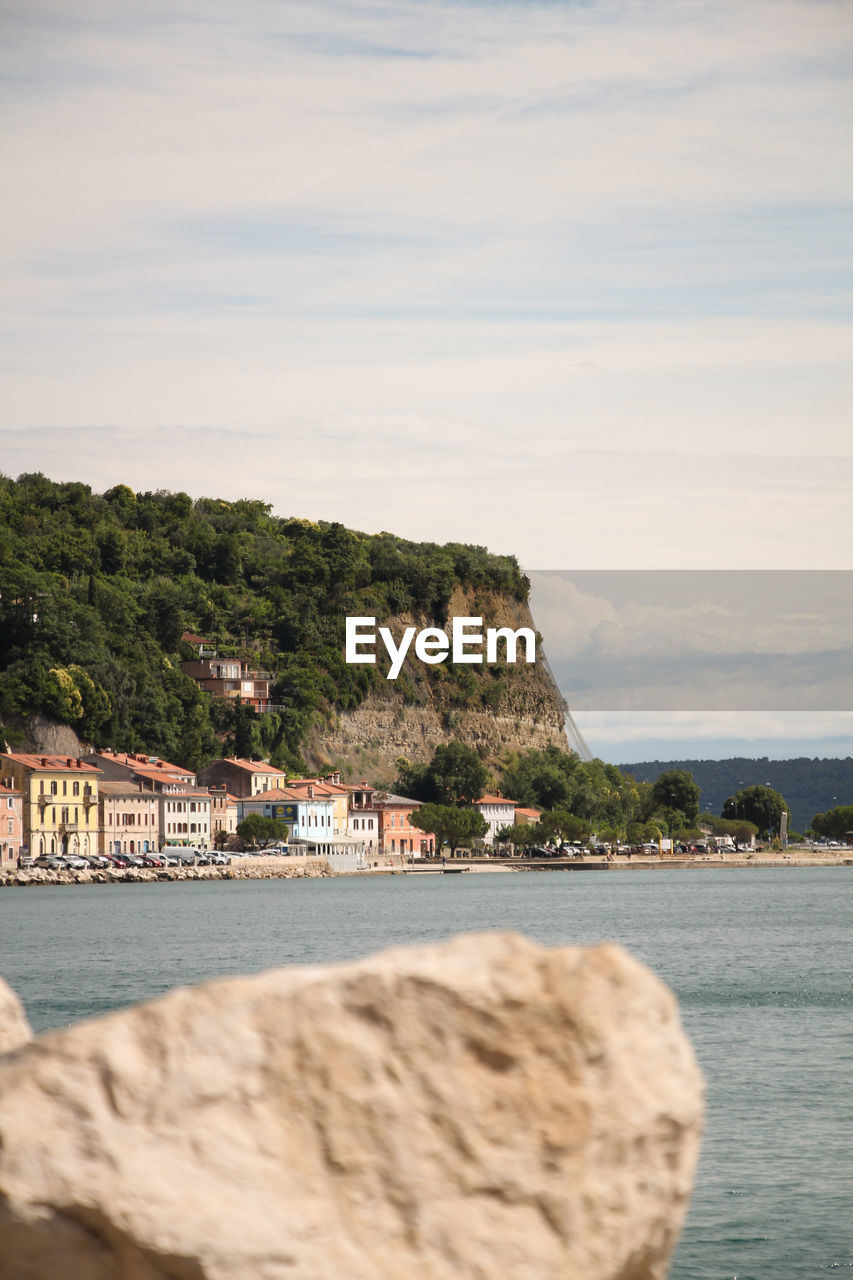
[625, 737]
[699, 641]
[558, 279]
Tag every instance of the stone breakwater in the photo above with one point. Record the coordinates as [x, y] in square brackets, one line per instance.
[474, 1110]
[244, 869]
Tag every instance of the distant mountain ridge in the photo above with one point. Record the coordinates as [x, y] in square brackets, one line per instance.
[810, 786]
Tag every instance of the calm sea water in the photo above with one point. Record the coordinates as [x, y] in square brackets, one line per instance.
[761, 960]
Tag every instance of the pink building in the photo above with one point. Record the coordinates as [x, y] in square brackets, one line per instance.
[129, 818]
[11, 824]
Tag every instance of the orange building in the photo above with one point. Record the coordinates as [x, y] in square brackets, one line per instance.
[396, 832]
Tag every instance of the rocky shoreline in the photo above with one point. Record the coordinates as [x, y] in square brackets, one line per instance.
[248, 869]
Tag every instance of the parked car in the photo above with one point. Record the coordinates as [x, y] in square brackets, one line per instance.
[76, 863]
[118, 860]
[220, 859]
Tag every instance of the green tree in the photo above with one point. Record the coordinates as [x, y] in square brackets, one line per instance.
[454, 775]
[545, 779]
[450, 825]
[676, 790]
[562, 825]
[761, 805]
[255, 829]
[835, 823]
[519, 834]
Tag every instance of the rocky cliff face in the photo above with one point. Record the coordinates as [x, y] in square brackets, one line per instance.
[493, 709]
[477, 1110]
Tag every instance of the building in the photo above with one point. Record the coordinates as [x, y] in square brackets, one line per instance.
[242, 778]
[334, 790]
[363, 819]
[153, 773]
[498, 812]
[396, 832]
[11, 824]
[526, 817]
[185, 817]
[129, 818]
[59, 802]
[228, 678]
[310, 817]
[224, 814]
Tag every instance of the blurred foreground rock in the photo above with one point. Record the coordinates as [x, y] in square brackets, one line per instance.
[14, 1028]
[480, 1109]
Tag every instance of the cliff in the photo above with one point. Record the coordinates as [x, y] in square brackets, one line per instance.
[492, 709]
[98, 590]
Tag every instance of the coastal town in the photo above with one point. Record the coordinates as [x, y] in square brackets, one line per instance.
[121, 806]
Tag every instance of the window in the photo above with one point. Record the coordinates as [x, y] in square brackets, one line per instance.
[53, 788]
[10, 825]
[9, 803]
[76, 788]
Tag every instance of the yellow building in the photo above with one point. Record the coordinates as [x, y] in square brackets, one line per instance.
[60, 802]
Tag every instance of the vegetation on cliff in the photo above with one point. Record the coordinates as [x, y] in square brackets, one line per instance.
[97, 589]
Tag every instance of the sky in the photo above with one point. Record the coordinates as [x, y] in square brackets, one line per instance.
[568, 280]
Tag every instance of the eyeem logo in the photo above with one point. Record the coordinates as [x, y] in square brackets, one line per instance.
[432, 645]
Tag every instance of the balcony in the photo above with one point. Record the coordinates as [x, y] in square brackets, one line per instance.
[68, 828]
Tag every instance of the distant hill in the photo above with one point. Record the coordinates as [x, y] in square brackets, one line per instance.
[98, 590]
[809, 786]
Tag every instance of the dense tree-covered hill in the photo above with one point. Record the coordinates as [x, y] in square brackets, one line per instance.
[809, 786]
[97, 589]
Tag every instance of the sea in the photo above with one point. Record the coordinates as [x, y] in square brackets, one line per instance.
[760, 959]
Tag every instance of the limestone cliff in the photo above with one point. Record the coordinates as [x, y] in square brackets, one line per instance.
[494, 709]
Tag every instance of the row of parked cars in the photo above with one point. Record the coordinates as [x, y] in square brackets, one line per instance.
[98, 861]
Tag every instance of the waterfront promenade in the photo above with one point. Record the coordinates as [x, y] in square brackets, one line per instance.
[273, 867]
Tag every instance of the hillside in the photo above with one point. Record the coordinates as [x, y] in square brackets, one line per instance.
[809, 786]
[96, 591]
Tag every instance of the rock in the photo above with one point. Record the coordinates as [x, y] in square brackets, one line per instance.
[482, 1109]
[14, 1028]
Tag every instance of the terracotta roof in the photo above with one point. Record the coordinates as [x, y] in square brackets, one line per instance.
[140, 760]
[252, 766]
[160, 775]
[192, 639]
[528, 813]
[124, 789]
[325, 788]
[278, 793]
[495, 800]
[67, 764]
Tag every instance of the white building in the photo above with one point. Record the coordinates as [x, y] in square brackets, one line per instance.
[185, 817]
[498, 812]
